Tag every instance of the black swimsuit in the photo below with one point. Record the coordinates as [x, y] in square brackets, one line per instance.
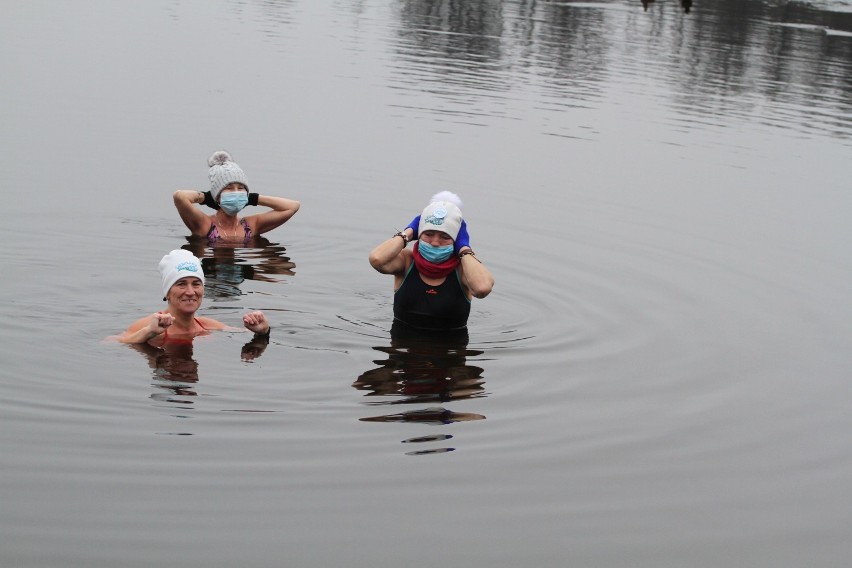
[431, 307]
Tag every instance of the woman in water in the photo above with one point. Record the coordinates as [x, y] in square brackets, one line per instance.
[435, 280]
[228, 195]
[183, 288]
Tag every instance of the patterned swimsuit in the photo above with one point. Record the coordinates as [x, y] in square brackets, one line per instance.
[213, 234]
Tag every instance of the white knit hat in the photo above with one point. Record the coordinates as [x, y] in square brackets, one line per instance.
[442, 214]
[179, 264]
[224, 171]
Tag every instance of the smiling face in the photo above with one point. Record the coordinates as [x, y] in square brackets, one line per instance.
[185, 295]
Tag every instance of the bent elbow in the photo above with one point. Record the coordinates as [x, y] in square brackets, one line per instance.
[479, 294]
[482, 290]
[379, 263]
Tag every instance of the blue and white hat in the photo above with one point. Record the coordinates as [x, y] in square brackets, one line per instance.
[442, 214]
[179, 264]
[223, 172]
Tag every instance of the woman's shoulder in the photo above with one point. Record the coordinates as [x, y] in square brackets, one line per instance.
[210, 323]
[141, 322]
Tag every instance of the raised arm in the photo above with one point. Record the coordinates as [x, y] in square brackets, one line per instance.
[391, 256]
[146, 329]
[474, 274]
[281, 211]
[256, 321]
[194, 218]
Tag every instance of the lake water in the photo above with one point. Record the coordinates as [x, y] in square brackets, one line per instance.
[661, 376]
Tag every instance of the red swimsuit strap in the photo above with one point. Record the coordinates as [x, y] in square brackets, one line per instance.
[197, 321]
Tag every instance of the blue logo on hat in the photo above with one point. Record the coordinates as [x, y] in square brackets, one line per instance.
[433, 220]
[188, 266]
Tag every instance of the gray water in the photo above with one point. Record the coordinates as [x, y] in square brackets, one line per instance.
[660, 377]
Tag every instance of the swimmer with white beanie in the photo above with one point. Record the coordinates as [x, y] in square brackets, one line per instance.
[183, 289]
[436, 279]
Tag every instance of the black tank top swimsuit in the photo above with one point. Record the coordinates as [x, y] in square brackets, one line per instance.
[420, 305]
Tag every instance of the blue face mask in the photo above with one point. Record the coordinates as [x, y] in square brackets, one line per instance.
[232, 202]
[434, 254]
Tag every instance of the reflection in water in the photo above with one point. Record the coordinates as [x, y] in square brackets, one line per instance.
[462, 42]
[175, 376]
[461, 51]
[227, 264]
[424, 368]
[175, 371]
[474, 27]
[685, 4]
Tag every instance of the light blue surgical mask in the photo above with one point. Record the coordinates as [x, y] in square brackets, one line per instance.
[435, 254]
[232, 202]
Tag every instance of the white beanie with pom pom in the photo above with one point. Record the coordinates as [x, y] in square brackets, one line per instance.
[442, 214]
[224, 171]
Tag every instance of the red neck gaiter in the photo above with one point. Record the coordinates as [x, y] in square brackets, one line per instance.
[432, 270]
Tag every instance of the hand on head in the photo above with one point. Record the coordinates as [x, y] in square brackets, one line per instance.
[414, 226]
[210, 201]
[462, 239]
[442, 214]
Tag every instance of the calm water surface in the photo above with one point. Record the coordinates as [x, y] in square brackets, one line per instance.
[660, 377]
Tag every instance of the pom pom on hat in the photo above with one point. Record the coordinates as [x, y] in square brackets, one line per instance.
[223, 172]
[447, 196]
[219, 157]
[442, 214]
[179, 264]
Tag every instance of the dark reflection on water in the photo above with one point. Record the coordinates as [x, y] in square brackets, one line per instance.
[685, 4]
[424, 368]
[175, 370]
[227, 264]
[794, 60]
[783, 53]
[469, 31]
